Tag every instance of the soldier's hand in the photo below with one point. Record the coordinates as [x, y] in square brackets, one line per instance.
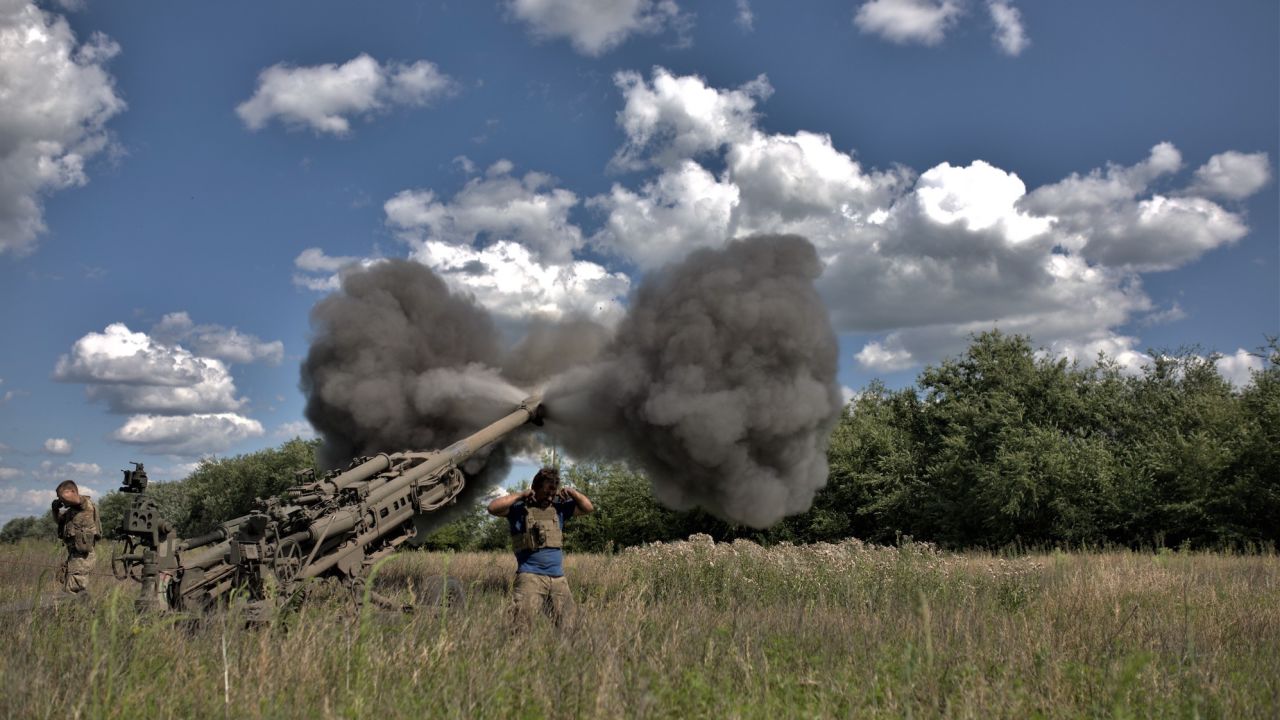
[57, 504]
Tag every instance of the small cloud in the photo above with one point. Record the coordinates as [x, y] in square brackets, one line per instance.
[57, 446]
[296, 429]
[323, 273]
[9, 473]
[908, 21]
[848, 394]
[1232, 175]
[1238, 368]
[1010, 36]
[745, 18]
[875, 356]
[83, 469]
[187, 435]
[48, 470]
[1171, 314]
[593, 27]
[217, 341]
[8, 395]
[326, 97]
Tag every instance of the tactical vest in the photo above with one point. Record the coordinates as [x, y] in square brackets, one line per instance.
[81, 527]
[541, 529]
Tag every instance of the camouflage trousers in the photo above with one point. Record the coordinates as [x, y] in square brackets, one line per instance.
[535, 594]
[75, 570]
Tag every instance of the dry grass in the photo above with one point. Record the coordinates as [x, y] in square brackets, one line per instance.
[690, 630]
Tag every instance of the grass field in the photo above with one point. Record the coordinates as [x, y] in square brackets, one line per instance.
[688, 630]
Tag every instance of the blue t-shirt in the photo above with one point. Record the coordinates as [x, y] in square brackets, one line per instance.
[543, 561]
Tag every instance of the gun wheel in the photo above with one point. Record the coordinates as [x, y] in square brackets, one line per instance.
[121, 569]
[285, 566]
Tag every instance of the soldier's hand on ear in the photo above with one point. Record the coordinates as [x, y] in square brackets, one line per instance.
[57, 504]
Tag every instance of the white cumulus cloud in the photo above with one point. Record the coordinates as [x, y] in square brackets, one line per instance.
[876, 356]
[684, 208]
[908, 21]
[670, 118]
[180, 403]
[62, 471]
[296, 429]
[188, 435]
[20, 501]
[1108, 217]
[925, 259]
[217, 341]
[594, 27]
[1238, 368]
[1010, 36]
[326, 97]
[507, 279]
[55, 100]
[323, 273]
[528, 210]
[1232, 175]
[57, 446]
[509, 242]
[131, 372]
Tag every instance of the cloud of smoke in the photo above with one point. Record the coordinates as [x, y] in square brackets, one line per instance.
[398, 362]
[720, 381]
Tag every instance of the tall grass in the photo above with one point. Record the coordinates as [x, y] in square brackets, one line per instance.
[689, 629]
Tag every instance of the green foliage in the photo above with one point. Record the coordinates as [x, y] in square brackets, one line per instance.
[223, 489]
[1003, 446]
[469, 531]
[29, 528]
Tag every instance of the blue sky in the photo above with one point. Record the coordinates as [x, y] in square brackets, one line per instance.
[177, 179]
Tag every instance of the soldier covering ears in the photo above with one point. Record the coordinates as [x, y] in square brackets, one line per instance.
[79, 529]
[537, 517]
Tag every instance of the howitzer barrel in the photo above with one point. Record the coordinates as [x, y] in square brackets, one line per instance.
[222, 532]
[363, 471]
[457, 453]
[345, 520]
[206, 556]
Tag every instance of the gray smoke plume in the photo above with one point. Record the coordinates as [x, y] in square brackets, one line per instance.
[720, 382]
[397, 362]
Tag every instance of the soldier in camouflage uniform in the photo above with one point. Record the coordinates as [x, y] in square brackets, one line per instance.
[78, 528]
[536, 518]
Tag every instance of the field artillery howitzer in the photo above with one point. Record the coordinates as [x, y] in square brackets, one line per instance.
[336, 526]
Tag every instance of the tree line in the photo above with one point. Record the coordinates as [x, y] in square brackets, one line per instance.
[1002, 446]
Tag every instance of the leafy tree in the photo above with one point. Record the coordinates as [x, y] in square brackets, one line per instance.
[32, 527]
[222, 489]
